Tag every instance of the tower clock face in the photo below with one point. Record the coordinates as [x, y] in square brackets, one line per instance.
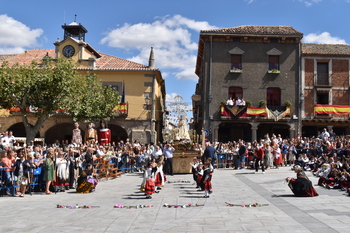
[68, 51]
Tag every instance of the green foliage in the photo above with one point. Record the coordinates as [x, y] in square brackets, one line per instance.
[248, 103]
[262, 103]
[287, 103]
[52, 86]
[223, 102]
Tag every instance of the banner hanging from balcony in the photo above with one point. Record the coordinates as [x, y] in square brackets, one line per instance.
[235, 110]
[332, 109]
[277, 112]
[232, 111]
[257, 111]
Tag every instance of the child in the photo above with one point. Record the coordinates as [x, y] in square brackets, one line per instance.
[158, 174]
[206, 179]
[200, 172]
[149, 185]
[194, 165]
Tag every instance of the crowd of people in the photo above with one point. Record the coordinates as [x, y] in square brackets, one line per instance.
[62, 166]
[326, 156]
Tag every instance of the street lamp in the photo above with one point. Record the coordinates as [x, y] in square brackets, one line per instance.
[147, 106]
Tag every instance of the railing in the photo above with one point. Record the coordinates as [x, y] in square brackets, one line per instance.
[323, 80]
[271, 112]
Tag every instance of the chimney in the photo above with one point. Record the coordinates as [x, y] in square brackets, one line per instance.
[151, 59]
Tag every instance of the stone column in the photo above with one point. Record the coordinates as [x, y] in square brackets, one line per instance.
[329, 128]
[292, 127]
[215, 130]
[254, 131]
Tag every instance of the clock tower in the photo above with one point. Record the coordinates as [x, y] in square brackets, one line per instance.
[74, 30]
[74, 46]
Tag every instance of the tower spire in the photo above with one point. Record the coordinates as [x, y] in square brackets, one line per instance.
[151, 59]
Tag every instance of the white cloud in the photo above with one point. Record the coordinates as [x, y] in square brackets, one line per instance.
[249, 1]
[15, 36]
[175, 47]
[310, 2]
[323, 38]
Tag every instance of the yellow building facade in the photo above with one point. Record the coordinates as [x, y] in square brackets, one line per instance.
[139, 116]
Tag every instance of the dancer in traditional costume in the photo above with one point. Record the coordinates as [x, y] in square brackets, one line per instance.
[86, 181]
[277, 154]
[301, 186]
[206, 179]
[62, 173]
[194, 165]
[149, 186]
[200, 173]
[158, 174]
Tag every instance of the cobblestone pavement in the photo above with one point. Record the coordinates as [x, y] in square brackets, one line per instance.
[328, 212]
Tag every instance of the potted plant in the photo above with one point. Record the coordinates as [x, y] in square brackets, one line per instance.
[223, 102]
[248, 103]
[287, 103]
[235, 70]
[273, 71]
[262, 103]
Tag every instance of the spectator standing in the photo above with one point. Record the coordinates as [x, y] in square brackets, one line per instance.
[260, 155]
[209, 152]
[242, 154]
[168, 154]
[49, 170]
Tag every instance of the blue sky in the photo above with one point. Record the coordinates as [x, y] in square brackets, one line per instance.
[128, 29]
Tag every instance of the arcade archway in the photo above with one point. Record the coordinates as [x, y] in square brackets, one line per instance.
[19, 130]
[118, 133]
[229, 132]
[63, 131]
[276, 129]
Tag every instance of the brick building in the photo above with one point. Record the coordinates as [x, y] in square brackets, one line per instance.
[325, 85]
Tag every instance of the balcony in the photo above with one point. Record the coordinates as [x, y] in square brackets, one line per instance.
[323, 80]
[328, 111]
[274, 71]
[236, 71]
[121, 109]
[271, 112]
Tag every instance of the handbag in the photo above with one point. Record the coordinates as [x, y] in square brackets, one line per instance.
[37, 171]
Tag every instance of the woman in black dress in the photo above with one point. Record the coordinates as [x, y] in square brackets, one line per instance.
[301, 186]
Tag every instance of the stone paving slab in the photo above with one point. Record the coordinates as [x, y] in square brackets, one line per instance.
[328, 212]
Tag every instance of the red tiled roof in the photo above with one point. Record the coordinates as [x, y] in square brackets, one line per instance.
[325, 49]
[4, 57]
[28, 56]
[105, 62]
[256, 30]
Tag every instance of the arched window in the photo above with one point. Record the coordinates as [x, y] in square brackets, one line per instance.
[273, 96]
[235, 92]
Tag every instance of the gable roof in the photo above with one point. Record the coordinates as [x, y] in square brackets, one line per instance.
[256, 30]
[105, 62]
[325, 49]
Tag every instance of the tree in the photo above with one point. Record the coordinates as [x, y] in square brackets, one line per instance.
[52, 87]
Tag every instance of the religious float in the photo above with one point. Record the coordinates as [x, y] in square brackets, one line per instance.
[183, 156]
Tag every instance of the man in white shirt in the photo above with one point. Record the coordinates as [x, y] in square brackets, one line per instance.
[229, 102]
[238, 102]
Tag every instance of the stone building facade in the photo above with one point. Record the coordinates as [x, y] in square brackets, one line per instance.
[256, 63]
